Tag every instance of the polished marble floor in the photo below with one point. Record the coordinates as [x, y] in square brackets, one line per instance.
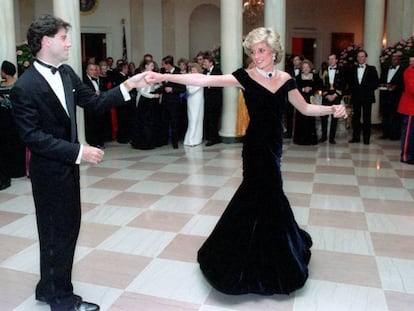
[146, 213]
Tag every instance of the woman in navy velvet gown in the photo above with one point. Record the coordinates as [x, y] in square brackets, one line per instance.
[257, 246]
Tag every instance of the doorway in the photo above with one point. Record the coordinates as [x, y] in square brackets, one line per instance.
[93, 45]
[305, 47]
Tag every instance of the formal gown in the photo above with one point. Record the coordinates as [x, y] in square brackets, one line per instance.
[305, 126]
[195, 114]
[143, 133]
[12, 149]
[257, 246]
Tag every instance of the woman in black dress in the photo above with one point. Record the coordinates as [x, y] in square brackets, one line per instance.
[308, 84]
[257, 246]
[143, 134]
[12, 150]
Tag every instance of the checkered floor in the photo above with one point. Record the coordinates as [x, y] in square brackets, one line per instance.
[146, 213]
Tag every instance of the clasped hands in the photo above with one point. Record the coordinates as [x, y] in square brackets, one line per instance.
[339, 111]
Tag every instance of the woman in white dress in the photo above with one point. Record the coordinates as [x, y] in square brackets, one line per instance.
[195, 111]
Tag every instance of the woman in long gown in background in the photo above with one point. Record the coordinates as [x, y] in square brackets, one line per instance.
[143, 127]
[257, 246]
[305, 126]
[195, 111]
[12, 149]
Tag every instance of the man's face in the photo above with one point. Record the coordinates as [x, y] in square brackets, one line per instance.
[207, 64]
[92, 71]
[361, 58]
[332, 60]
[395, 61]
[296, 62]
[58, 46]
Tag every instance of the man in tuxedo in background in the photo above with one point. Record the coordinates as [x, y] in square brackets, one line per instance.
[94, 122]
[391, 87]
[170, 105]
[363, 83]
[44, 101]
[213, 103]
[333, 86]
[294, 71]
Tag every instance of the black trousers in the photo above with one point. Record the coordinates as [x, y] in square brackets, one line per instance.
[212, 115]
[324, 122]
[366, 110]
[58, 215]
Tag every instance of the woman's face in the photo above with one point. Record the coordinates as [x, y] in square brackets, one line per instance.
[194, 70]
[262, 55]
[149, 67]
[306, 68]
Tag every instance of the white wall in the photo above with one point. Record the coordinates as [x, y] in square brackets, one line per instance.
[107, 19]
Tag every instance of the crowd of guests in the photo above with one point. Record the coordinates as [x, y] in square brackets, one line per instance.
[168, 113]
[333, 82]
[160, 114]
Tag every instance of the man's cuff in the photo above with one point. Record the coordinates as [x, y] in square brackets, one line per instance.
[79, 158]
[124, 92]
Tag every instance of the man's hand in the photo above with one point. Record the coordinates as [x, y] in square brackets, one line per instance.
[92, 155]
[138, 80]
[339, 111]
[154, 77]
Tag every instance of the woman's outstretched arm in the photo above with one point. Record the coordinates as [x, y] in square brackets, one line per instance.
[196, 79]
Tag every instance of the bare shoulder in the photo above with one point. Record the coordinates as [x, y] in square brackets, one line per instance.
[283, 75]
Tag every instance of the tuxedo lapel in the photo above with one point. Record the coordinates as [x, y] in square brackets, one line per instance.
[70, 105]
[49, 96]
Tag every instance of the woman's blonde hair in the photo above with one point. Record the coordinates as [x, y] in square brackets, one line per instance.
[268, 36]
[196, 66]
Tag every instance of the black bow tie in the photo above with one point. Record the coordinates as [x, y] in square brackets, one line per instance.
[94, 79]
[361, 66]
[332, 68]
[53, 69]
[393, 67]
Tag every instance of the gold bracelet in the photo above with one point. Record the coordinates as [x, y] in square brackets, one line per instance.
[127, 86]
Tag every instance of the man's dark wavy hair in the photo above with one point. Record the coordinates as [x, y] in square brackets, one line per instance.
[44, 25]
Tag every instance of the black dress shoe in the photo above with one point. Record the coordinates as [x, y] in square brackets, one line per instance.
[287, 135]
[212, 142]
[332, 141]
[322, 139]
[353, 140]
[77, 298]
[366, 142]
[86, 306]
[175, 145]
[408, 161]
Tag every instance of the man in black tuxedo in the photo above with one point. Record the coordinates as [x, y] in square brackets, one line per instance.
[333, 86]
[391, 88]
[213, 103]
[44, 101]
[362, 84]
[170, 105]
[294, 71]
[94, 122]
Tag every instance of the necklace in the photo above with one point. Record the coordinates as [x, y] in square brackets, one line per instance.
[265, 74]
